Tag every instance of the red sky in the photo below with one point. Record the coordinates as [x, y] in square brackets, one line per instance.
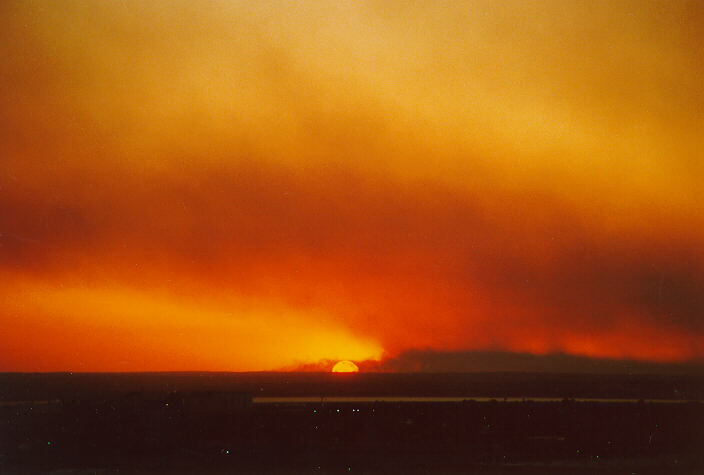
[253, 186]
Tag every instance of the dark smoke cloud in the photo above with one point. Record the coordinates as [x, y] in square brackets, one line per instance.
[372, 244]
[478, 361]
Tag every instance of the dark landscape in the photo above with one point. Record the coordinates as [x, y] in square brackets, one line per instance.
[250, 423]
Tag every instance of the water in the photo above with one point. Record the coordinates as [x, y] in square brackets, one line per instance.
[371, 399]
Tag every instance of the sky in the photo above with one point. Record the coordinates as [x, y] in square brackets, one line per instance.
[241, 186]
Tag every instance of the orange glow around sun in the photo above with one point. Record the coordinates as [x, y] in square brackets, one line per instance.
[252, 186]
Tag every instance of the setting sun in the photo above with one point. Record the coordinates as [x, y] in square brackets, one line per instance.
[345, 367]
[256, 186]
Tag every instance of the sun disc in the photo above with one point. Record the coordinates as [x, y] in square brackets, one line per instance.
[345, 367]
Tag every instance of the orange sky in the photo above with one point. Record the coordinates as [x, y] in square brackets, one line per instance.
[253, 186]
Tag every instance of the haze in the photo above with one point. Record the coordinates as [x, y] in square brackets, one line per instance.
[261, 185]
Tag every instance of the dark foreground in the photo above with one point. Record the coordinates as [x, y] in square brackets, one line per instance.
[222, 431]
